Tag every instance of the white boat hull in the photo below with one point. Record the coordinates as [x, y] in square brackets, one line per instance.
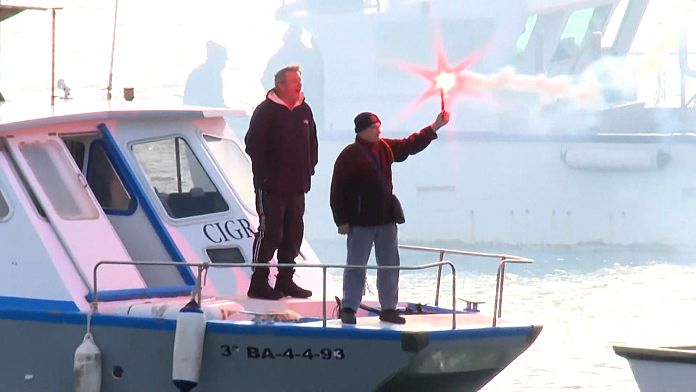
[137, 355]
[540, 192]
[662, 369]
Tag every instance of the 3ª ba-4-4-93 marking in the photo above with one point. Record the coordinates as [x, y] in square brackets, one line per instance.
[253, 352]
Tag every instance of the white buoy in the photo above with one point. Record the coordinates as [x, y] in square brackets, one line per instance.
[87, 367]
[188, 346]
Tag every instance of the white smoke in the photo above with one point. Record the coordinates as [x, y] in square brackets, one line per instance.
[549, 89]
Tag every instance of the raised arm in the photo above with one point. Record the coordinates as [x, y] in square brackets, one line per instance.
[418, 141]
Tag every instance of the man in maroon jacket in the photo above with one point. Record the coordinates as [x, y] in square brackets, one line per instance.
[365, 208]
[282, 144]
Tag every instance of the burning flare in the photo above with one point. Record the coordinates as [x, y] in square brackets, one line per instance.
[457, 80]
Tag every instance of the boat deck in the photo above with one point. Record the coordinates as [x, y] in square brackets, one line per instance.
[300, 312]
[416, 322]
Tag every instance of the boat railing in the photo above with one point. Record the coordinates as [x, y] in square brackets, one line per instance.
[203, 267]
[500, 276]
[309, 7]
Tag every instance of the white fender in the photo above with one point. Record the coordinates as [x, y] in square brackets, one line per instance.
[188, 346]
[87, 366]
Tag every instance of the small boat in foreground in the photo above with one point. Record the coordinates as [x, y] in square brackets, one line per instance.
[89, 199]
[661, 369]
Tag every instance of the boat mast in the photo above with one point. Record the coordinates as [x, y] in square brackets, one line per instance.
[113, 47]
[53, 56]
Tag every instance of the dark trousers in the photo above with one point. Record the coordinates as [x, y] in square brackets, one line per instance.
[280, 228]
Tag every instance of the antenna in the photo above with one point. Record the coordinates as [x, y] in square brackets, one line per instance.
[53, 55]
[113, 47]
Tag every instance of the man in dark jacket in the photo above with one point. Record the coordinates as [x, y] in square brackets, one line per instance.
[365, 208]
[282, 144]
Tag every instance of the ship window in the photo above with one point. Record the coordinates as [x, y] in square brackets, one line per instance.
[225, 255]
[614, 24]
[578, 23]
[178, 178]
[573, 34]
[61, 183]
[105, 182]
[235, 166]
[77, 151]
[523, 39]
[4, 207]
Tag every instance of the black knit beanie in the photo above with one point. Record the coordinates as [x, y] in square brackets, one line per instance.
[364, 120]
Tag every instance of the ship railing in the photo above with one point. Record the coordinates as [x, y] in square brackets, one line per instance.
[202, 269]
[504, 259]
[290, 7]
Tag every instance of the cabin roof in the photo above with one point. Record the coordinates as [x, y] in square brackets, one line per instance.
[29, 121]
[7, 11]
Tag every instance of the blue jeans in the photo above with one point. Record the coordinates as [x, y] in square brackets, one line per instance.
[360, 240]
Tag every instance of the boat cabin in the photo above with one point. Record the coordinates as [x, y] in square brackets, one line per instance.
[132, 185]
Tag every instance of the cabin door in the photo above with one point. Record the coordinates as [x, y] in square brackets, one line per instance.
[72, 210]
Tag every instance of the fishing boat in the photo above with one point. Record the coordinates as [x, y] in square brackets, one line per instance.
[548, 138]
[127, 236]
[661, 368]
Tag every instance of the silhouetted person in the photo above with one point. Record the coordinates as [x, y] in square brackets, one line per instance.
[293, 51]
[204, 84]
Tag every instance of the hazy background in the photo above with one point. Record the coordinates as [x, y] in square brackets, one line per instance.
[588, 299]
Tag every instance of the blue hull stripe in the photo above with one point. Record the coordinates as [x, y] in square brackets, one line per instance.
[37, 305]
[146, 292]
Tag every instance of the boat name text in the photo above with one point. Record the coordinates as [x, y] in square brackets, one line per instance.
[233, 229]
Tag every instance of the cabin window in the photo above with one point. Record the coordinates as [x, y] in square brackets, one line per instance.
[578, 23]
[523, 39]
[573, 34]
[178, 178]
[235, 166]
[4, 207]
[105, 182]
[614, 24]
[62, 184]
[77, 151]
[225, 255]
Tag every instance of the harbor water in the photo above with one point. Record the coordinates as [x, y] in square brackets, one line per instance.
[587, 297]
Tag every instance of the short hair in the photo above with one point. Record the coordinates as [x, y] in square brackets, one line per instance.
[280, 75]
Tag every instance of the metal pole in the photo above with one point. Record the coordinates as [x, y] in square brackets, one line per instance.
[178, 164]
[113, 47]
[454, 296]
[2, 99]
[323, 289]
[53, 55]
[497, 293]
[502, 286]
[439, 275]
[199, 286]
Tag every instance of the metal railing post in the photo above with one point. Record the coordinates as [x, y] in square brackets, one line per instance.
[439, 276]
[323, 290]
[497, 291]
[502, 286]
